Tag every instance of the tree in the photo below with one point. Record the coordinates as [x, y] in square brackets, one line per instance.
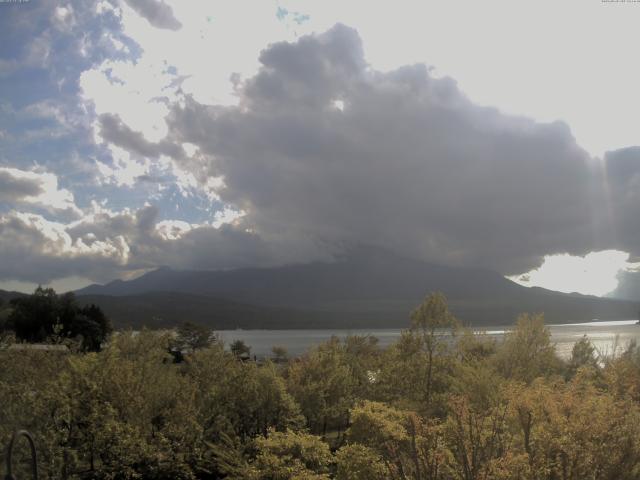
[240, 349]
[583, 355]
[358, 462]
[92, 325]
[527, 351]
[290, 455]
[322, 382]
[45, 315]
[432, 315]
[280, 354]
[240, 399]
[192, 336]
[404, 444]
[564, 426]
[477, 440]
[34, 318]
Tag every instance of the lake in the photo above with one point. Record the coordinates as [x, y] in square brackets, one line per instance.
[606, 336]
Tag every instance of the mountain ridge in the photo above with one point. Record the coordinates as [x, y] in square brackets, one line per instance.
[369, 285]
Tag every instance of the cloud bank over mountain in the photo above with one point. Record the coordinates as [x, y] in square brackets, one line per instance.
[321, 152]
[322, 146]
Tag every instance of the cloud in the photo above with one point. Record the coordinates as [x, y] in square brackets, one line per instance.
[114, 131]
[407, 162]
[124, 171]
[158, 13]
[622, 186]
[621, 183]
[15, 188]
[38, 189]
[51, 252]
[320, 153]
[628, 284]
[105, 244]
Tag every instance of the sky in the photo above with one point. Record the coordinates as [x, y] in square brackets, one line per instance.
[213, 135]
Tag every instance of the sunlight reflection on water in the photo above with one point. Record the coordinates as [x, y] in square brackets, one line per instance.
[608, 337]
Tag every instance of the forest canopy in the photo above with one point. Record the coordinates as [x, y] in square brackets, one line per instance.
[46, 317]
[427, 408]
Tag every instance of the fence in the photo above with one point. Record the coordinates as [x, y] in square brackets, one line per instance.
[34, 455]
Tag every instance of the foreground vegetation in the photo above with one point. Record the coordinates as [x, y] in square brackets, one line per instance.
[425, 408]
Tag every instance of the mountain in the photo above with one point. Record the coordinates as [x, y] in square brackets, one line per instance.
[6, 296]
[365, 288]
[167, 309]
[366, 274]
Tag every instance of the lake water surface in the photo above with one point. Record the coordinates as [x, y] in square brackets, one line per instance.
[607, 336]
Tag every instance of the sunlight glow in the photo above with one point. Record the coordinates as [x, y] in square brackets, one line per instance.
[594, 274]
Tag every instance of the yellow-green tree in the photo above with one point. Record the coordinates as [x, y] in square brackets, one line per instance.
[404, 444]
[323, 384]
[527, 351]
[290, 456]
[430, 318]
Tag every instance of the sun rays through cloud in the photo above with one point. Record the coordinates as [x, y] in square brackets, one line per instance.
[593, 274]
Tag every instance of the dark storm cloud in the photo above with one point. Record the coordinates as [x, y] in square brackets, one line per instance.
[621, 184]
[409, 163]
[323, 153]
[622, 204]
[157, 13]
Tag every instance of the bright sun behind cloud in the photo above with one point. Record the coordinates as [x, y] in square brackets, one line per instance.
[594, 274]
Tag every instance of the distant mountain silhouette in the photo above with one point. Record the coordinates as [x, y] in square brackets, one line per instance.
[365, 274]
[365, 288]
[167, 309]
[6, 296]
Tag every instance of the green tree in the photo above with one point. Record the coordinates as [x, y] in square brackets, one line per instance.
[583, 355]
[322, 383]
[527, 351]
[290, 455]
[426, 320]
[359, 462]
[239, 399]
[240, 349]
[408, 446]
[563, 427]
[34, 318]
[46, 315]
[192, 336]
[280, 354]
[476, 438]
[91, 325]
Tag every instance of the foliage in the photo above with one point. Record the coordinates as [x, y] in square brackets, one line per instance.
[359, 462]
[290, 455]
[583, 355]
[240, 349]
[192, 336]
[322, 383]
[416, 371]
[431, 315]
[46, 316]
[425, 408]
[527, 352]
[406, 445]
[280, 354]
